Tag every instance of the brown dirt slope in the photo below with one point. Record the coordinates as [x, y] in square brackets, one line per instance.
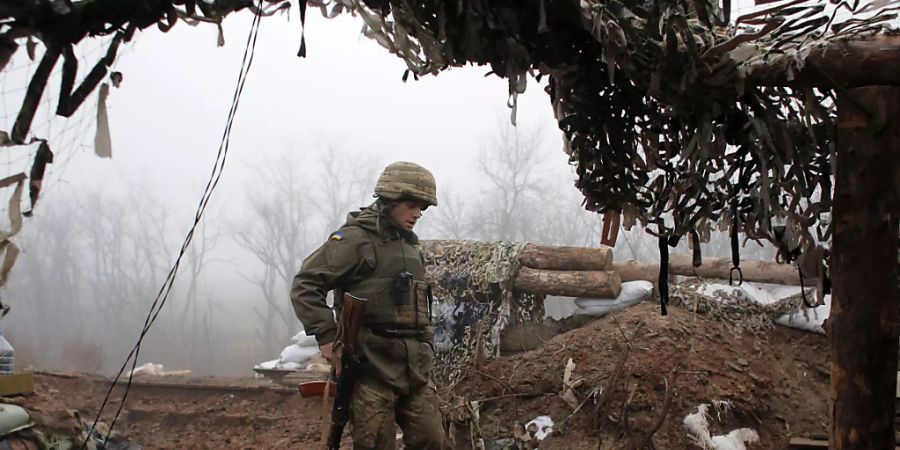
[190, 413]
[777, 383]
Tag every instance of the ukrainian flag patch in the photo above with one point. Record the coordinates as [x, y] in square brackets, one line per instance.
[337, 236]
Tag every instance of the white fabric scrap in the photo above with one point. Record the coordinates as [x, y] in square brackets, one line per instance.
[540, 427]
[102, 139]
[567, 393]
[697, 426]
[147, 369]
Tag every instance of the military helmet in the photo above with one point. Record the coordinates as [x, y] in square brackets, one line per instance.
[403, 179]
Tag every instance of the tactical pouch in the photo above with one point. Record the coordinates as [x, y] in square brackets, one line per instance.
[423, 303]
[401, 287]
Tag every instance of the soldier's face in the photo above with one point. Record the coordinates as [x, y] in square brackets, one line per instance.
[407, 212]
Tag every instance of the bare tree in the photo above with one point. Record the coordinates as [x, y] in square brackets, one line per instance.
[450, 220]
[45, 283]
[342, 184]
[275, 230]
[196, 313]
[511, 163]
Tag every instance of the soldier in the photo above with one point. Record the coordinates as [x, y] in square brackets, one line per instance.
[374, 256]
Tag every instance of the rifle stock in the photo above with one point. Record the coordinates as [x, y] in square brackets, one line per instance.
[348, 366]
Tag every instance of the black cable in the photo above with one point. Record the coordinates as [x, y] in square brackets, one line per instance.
[663, 280]
[735, 248]
[163, 294]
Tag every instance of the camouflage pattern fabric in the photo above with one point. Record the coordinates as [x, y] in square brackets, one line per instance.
[376, 407]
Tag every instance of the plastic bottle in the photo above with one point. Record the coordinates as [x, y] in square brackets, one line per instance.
[7, 356]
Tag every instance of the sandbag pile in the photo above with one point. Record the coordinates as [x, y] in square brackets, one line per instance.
[296, 356]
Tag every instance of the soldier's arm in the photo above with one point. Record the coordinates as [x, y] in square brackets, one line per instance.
[344, 255]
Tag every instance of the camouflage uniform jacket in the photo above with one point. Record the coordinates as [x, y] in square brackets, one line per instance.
[363, 258]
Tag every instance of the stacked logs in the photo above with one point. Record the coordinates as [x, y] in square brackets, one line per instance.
[567, 271]
[590, 272]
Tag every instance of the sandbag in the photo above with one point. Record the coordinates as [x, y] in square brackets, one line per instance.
[585, 302]
[633, 292]
[808, 319]
[13, 418]
[303, 340]
[297, 354]
[597, 310]
[267, 365]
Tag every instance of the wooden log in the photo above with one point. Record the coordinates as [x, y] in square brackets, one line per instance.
[550, 257]
[570, 283]
[863, 327]
[852, 62]
[757, 271]
[632, 270]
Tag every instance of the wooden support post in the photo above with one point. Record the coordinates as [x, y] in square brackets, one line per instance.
[863, 326]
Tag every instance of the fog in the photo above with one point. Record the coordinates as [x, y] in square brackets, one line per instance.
[310, 138]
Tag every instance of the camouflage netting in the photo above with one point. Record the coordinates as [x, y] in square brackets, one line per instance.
[733, 307]
[657, 100]
[473, 286]
[661, 102]
[61, 24]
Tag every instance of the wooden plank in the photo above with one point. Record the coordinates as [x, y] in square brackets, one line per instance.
[151, 386]
[16, 384]
[802, 443]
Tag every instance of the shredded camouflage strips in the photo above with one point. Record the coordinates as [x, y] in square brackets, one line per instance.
[658, 101]
[734, 308]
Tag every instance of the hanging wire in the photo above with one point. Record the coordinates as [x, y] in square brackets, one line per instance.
[165, 289]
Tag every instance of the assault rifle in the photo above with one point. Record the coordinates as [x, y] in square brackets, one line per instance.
[347, 366]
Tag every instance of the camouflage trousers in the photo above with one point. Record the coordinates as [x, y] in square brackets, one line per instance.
[376, 408]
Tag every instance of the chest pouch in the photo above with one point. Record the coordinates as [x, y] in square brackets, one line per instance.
[401, 287]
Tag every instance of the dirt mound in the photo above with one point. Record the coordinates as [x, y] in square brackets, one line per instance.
[635, 372]
[775, 383]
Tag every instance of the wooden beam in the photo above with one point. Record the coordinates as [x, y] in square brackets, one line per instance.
[848, 63]
[566, 258]
[864, 327]
[597, 284]
[757, 271]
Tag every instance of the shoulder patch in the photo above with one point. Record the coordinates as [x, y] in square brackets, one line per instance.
[337, 236]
